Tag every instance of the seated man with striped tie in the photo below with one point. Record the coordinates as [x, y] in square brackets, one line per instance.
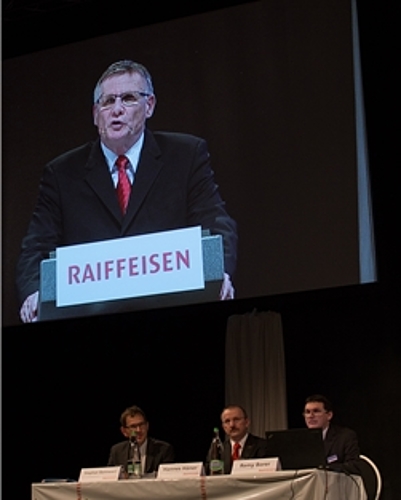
[239, 442]
[128, 181]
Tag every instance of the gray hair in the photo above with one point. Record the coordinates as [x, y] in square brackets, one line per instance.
[121, 67]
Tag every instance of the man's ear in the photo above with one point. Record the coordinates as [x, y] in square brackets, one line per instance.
[150, 105]
[125, 432]
[95, 114]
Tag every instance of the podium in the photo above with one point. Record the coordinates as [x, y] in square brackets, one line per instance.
[213, 268]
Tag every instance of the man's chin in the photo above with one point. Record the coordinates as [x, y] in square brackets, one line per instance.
[117, 136]
[236, 436]
[117, 141]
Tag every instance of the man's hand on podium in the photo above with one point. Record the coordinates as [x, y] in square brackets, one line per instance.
[29, 309]
[227, 289]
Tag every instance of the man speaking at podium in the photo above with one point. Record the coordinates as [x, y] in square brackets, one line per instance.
[128, 182]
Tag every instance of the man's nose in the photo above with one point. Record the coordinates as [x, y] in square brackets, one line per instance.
[118, 106]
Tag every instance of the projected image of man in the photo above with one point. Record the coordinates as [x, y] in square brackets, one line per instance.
[129, 181]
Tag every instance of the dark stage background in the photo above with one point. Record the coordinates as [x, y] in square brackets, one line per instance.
[66, 383]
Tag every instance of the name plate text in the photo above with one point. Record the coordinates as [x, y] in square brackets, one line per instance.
[172, 471]
[255, 466]
[98, 474]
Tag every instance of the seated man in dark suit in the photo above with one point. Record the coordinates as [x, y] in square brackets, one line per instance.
[340, 443]
[239, 442]
[153, 451]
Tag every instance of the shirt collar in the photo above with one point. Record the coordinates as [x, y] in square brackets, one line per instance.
[241, 442]
[132, 154]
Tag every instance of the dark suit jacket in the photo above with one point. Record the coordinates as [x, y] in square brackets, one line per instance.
[174, 188]
[255, 447]
[157, 452]
[342, 449]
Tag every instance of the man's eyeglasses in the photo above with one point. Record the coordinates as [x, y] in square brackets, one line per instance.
[127, 99]
[139, 425]
[307, 413]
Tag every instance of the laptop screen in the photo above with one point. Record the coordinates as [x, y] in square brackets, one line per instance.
[297, 448]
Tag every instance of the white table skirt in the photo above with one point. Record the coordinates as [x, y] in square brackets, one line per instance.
[310, 484]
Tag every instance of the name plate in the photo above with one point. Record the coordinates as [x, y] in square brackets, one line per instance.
[136, 266]
[98, 474]
[255, 466]
[173, 471]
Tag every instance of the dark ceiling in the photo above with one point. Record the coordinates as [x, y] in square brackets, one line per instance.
[32, 25]
[17, 9]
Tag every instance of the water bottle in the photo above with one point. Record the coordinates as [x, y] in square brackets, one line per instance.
[134, 466]
[216, 454]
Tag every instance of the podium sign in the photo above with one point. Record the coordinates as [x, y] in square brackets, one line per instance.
[150, 264]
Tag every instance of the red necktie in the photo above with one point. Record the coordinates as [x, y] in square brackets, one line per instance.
[123, 184]
[237, 447]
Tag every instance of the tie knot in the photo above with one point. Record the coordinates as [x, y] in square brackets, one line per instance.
[122, 162]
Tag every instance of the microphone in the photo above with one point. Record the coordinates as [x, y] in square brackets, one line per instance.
[134, 466]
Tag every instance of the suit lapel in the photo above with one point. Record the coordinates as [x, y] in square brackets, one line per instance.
[126, 453]
[99, 179]
[149, 465]
[149, 166]
[247, 452]
[227, 457]
[328, 442]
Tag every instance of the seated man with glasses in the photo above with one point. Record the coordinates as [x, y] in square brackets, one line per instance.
[239, 443]
[340, 443]
[153, 451]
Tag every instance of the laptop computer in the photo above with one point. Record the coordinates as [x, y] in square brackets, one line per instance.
[297, 448]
